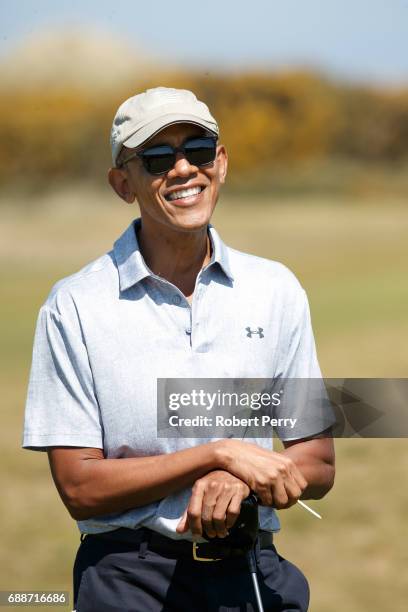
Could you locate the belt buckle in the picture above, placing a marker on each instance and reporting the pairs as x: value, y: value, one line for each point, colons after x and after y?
x: 197, y: 558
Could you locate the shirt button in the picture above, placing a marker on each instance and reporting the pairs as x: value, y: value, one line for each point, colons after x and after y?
x: 188, y: 331
x: 176, y: 300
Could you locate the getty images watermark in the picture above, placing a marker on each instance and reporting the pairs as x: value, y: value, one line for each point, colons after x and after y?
x: 288, y: 408
x: 220, y: 400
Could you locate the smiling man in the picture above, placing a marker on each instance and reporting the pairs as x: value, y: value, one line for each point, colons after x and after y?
x: 170, y: 300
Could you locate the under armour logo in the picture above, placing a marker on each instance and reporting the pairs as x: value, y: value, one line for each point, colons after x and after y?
x: 250, y: 332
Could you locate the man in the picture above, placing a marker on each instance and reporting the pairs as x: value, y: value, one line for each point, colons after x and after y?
x: 170, y: 301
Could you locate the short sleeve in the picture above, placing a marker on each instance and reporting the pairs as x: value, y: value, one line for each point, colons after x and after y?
x: 301, y: 359
x: 305, y: 399
x: 61, y: 407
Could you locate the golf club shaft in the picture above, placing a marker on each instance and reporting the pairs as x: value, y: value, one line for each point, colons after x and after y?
x: 252, y: 568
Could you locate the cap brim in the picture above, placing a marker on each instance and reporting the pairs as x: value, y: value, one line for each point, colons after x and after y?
x: 154, y: 127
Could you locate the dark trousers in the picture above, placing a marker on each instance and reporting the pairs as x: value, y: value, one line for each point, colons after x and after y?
x: 111, y: 576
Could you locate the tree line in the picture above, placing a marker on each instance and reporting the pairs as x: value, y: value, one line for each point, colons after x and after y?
x: 266, y: 119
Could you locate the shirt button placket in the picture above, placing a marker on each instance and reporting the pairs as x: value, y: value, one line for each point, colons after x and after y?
x: 194, y: 315
x: 177, y: 300
x: 189, y: 326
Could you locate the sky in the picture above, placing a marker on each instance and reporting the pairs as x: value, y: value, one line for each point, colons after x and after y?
x: 351, y: 39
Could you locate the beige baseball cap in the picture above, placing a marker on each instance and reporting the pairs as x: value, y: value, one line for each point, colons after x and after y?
x: 144, y: 115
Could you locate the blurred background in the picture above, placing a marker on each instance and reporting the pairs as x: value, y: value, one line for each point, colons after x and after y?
x: 312, y: 102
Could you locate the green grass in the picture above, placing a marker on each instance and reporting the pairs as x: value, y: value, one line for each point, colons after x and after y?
x: 351, y: 258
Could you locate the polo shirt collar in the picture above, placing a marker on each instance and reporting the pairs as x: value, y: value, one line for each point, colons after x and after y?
x: 129, y: 260
x: 219, y: 252
x: 132, y: 267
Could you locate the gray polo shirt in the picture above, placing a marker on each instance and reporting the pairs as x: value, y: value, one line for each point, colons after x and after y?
x: 107, y: 333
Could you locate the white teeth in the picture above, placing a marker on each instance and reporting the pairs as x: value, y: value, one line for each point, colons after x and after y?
x: 184, y: 193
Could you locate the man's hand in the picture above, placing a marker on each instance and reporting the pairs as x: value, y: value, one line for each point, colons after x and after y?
x: 274, y: 477
x: 214, y: 505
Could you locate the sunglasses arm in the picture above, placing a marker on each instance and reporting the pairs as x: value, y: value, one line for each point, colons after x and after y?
x: 127, y: 159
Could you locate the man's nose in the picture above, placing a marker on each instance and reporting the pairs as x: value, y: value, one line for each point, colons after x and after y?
x: 182, y: 167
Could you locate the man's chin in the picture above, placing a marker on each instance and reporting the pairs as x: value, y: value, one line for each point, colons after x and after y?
x: 191, y: 222
x: 190, y: 228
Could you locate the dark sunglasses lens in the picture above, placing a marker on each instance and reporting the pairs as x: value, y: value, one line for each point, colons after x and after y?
x: 200, y: 151
x: 158, y: 160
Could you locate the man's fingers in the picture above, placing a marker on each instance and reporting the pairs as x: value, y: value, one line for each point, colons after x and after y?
x: 207, y: 520
x: 279, y: 495
x: 264, y: 495
x: 182, y: 524
x: 295, y: 484
x: 233, y: 510
x: 289, y: 487
x: 216, y: 499
x: 301, y: 480
x: 194, y: 511
x: 220, y: 514
x: 293, y: 492
x: 210, y: 501
x: 298, y: 476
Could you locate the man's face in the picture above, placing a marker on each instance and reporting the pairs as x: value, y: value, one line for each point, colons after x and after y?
x: 163, y: 199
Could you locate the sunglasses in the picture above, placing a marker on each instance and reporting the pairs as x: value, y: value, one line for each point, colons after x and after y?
x: 199, y: 151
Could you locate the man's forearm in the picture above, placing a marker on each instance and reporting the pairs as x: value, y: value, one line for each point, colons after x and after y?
x: 92, y: 486
x: 315, y: 459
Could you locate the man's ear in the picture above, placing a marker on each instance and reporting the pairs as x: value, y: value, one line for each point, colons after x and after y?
x: 118, y: 180
x: 222, y: 160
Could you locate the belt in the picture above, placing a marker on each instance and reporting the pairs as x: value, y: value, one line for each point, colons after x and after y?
x: 215, y: 550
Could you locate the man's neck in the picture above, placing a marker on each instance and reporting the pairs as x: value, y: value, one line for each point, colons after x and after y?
x: 177, y: 257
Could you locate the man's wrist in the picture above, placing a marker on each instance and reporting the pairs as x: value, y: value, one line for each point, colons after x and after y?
x: 222, y: 455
